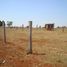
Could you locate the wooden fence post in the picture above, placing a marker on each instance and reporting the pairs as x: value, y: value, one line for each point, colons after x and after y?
x: 4, y: 31
x: 30, y: 37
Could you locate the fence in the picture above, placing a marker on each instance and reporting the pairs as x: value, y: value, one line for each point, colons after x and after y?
x: 3, y: 32
x: 15, y: 35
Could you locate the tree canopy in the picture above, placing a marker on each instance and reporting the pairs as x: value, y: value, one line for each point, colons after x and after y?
x: 1, y: 23
x: 9, y: 23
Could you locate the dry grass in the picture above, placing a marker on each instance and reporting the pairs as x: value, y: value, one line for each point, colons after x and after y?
x: 49, y: 48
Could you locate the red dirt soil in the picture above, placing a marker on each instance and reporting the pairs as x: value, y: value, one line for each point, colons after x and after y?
x: 12, y: 60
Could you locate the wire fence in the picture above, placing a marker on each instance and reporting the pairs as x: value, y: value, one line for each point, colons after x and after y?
x: 1, y: 34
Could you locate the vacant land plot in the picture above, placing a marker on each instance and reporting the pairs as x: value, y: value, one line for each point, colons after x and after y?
x: 49, y: 48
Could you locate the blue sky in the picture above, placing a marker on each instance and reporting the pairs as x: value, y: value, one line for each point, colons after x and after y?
x: 39, y: 11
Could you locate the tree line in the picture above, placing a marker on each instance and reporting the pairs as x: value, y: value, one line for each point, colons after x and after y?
x: 9, y: 23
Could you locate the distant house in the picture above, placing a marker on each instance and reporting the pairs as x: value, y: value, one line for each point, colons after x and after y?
x: 49, y: 26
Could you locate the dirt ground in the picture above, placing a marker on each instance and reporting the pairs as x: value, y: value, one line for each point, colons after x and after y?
x: 49, y: 48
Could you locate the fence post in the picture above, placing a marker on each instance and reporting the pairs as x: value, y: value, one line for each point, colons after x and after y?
x: 62, y: 29
x: 4, y: 31
x: 30, y: 37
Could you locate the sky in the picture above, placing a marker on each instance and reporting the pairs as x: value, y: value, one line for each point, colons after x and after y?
x: 39, y: 12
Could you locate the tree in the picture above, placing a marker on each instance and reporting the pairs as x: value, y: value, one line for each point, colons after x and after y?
x: 1, y: 23
x: 9, y: 23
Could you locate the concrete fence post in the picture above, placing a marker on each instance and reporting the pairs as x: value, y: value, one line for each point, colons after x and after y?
x: 30, y: 37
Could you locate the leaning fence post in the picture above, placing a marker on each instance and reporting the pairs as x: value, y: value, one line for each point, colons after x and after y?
x: 30, y: 37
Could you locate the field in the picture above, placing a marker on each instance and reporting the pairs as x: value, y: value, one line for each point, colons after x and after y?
x: 49, y: 48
